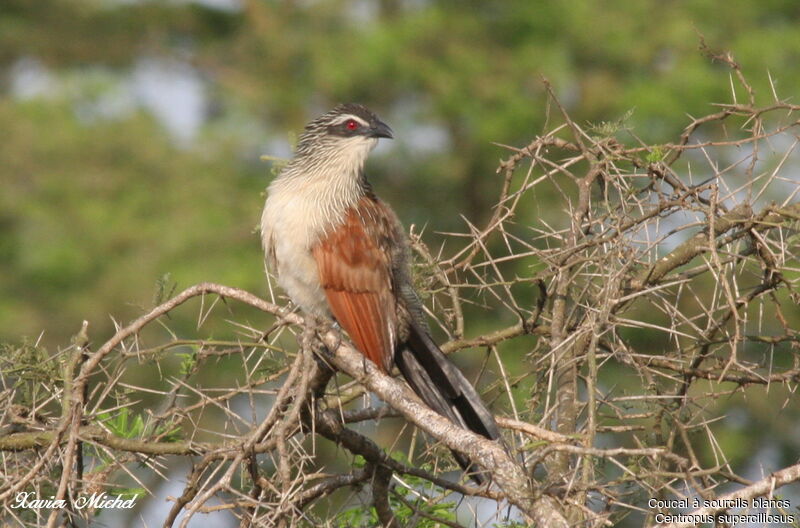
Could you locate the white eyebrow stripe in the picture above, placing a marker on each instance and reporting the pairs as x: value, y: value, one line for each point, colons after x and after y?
x: 348, y: 117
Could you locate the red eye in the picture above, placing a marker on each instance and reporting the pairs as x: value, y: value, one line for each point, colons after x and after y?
x: 351, y: 124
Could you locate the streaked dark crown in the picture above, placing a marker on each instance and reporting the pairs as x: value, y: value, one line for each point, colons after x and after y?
x: 344, y: 121
x: 354, y: 109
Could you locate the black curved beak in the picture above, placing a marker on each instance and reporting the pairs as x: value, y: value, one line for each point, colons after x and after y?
x: 380, y: 129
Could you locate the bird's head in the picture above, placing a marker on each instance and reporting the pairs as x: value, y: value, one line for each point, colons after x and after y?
x: 345, y: 134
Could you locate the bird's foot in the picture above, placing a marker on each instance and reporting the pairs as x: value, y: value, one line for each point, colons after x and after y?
x: 322, y: 329
x: 313, y: 338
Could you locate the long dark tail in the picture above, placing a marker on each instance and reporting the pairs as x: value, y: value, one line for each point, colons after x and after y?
x: 445, y: 389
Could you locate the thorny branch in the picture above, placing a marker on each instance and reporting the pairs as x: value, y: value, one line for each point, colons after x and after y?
x: 661, y: 292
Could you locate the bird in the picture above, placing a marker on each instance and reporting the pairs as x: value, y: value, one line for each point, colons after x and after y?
x: 341, y: 255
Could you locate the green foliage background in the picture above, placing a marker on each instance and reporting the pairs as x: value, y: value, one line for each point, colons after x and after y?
x: 94, y: 210
x: 96, y: 207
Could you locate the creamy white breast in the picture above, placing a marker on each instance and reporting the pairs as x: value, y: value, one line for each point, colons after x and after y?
x: 303, y: 204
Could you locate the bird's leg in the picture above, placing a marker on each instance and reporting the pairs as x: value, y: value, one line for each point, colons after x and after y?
x: 313, y: 335
x: 323, y: 327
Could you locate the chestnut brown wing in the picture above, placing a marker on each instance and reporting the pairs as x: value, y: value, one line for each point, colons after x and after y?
x: 355, y: 272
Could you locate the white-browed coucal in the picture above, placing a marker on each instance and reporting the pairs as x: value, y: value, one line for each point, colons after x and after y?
x: 341, y: 254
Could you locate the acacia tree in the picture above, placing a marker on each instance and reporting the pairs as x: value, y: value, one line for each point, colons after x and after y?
x: 663, y: 285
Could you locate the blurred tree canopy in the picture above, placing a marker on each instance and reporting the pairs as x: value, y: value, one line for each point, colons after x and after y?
x: 132, y: 130
x: 100, y: 199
